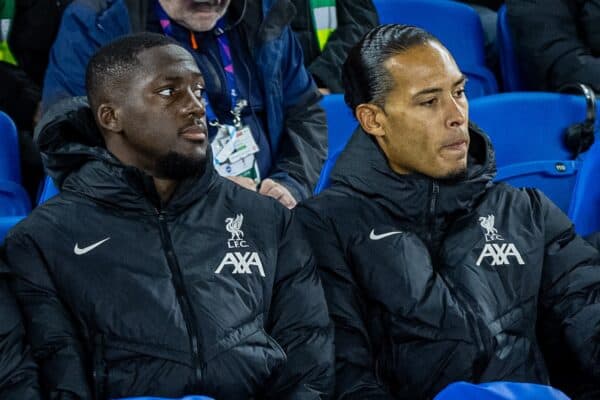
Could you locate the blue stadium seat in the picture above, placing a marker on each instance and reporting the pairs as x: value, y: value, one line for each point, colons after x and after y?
x: 499, y: 391
x: 585, y: 205
x: 13, y: 199
x: 340, y: 125
x: 527, y: 131
x: 512, y: 74
x: 10, y: 168
x: 47, y: 191
x: 457, y: 26
x: 6, y: 223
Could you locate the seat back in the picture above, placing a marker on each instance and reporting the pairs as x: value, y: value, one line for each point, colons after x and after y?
x: 47, y: 191
x: 457, y: 26
x: 10, y: 167
x: 585, y: 204
x: 512, y: 75
x: 13, y: 199
x: 527, y: 130
x: 340, y: 125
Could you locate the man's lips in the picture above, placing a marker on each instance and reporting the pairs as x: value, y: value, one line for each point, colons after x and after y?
x: 194, y: 133
x: 456, y: 145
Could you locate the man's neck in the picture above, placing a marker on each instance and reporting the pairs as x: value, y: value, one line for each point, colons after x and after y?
x: 165, y: 188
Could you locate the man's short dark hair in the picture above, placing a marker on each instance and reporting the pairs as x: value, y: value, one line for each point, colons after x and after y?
x: 365, y: 78
x: 114, y: 63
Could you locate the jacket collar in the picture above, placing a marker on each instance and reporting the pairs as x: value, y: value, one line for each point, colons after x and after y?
x: 75, y: 156
x: 362, y: 168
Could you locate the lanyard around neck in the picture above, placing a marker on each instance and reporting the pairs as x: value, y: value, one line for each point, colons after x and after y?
x: 224, y: 51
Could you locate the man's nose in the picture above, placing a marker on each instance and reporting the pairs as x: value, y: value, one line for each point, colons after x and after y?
x: 193, y: 104
x: 456, y: 113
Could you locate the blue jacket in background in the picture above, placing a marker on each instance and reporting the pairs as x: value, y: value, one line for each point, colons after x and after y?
x: 294, y: 122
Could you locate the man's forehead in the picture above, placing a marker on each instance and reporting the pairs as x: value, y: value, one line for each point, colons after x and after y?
x: 422, y: 66
x: 167, y: 57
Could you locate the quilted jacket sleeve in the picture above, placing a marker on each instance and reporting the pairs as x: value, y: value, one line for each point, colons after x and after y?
x: 354, y: 354
x: 569, y: 325
x: 50, y: 328
x: 299, y: 322
x: 18, y: 372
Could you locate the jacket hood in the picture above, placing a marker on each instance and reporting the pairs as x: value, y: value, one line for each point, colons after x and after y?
x: 76, y: 158
x: 362, y: 167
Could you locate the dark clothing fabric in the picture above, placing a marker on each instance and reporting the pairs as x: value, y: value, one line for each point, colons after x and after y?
x: 19, y: 96
x: 33, y: 31
x: 125, y: 296
x: 18, y: 372
x: 491, y: 4
x: 354, y: 19
x: 557, y: 41
x: 287, y: 115
x: 432, y: 282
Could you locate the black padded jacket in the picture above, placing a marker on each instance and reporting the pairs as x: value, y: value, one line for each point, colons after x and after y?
x: 430, y: 282
x: 213, y: 293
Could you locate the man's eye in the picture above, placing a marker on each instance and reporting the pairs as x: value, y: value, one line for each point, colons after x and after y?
x: 429, y: 103
x: 166, y: 92
x: 459, y: 93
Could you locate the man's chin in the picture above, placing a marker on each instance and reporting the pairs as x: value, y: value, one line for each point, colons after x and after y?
x: 457, y: 174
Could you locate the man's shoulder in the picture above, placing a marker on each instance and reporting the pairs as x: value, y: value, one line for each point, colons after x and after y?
x: 334, y: 203
x: 252, y: 202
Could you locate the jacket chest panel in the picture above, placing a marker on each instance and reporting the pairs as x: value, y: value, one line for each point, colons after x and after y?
x: 495, y: 260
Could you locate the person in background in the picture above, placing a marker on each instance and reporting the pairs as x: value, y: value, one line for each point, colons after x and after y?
x: 433, y: 272
x: 266, y: 127
x: 327, y: 29
x: 557, y: 41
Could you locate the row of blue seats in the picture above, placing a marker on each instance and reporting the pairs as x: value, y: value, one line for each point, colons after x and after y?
x: 527, y: 130
x: 459, y: 28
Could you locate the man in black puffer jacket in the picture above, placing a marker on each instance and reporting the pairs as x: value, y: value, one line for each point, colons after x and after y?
x: 149, y: 274
x: 434, y: 273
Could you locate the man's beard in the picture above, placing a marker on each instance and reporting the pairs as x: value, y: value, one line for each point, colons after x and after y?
x: 178, y: 167
x: 455, y: 176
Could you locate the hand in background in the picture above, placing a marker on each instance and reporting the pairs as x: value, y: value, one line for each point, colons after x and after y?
x: 277, y: 191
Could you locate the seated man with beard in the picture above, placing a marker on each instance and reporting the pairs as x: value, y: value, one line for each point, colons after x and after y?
x: 150, y: 274
x: 434, y: 273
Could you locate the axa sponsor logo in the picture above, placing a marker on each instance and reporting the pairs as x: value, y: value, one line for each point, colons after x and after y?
x: 499, y: 253
x: 240, y: 262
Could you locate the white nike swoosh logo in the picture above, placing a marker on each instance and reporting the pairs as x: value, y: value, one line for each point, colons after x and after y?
x: 374, y: 236
x: 79, y: 251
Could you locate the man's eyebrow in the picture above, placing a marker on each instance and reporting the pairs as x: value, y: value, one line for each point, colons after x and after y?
x: 179, y: 77
x: 463, y: 79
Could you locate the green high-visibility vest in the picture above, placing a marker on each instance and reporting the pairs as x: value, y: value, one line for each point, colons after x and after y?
x: 7, y: 14
x: 324, y: 19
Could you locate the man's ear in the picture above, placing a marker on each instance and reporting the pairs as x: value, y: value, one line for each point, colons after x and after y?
x: 108, y: 117
x: 371, y: 119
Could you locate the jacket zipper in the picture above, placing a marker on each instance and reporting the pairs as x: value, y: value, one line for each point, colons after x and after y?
x: 182, y: 296
x: 435, y: 192
x: 471, y: 316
